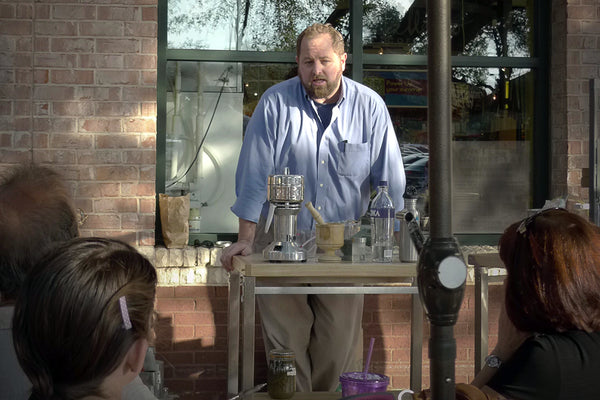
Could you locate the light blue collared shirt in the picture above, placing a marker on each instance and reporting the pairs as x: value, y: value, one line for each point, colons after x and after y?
x: 357, y: 150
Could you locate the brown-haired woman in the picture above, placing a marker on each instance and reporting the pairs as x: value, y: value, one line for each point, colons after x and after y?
x: 83, y: 319
x: 549, y: 328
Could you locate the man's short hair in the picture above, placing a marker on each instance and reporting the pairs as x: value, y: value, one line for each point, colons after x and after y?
x: 318, y: 29
x: 36, y: 212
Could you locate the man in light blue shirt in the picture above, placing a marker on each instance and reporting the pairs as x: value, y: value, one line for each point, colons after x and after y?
x: 339, y: 135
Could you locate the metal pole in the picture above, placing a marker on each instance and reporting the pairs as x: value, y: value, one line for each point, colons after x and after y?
x: 439, y: 117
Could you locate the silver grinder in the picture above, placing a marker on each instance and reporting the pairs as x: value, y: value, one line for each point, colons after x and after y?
x: 285, y: 194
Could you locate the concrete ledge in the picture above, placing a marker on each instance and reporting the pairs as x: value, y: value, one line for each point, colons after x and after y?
x: 201, y: 266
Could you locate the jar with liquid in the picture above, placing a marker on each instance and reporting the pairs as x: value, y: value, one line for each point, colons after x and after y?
x: 281, y: 376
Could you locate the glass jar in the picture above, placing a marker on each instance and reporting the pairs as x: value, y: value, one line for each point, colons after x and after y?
x: 281, y: 377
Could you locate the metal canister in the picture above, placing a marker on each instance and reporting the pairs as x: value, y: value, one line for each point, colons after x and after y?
x: 408, y: 251
x: 285, y: 188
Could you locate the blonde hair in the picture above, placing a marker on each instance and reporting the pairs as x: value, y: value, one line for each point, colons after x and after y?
x: 319, y: 29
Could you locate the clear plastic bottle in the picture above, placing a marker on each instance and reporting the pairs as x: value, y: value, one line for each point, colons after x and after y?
x: 382, y: 225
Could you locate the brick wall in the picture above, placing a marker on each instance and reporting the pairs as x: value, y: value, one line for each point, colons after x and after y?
x: 78, y: 92
x: 575, y: 60
x: 192, y: 339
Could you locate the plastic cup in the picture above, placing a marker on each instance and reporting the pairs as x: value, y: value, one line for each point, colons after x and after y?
x: 359, y: 382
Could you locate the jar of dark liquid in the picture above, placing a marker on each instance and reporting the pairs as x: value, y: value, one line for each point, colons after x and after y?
x: 281, y: 377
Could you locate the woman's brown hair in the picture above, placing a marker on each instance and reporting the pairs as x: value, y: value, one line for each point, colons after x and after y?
x: 553, y: 272
x: 79, y: 312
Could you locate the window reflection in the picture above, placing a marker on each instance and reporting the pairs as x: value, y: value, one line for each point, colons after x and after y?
x: 492, y: 128
x: 478, y: 28
x: 259, y: 25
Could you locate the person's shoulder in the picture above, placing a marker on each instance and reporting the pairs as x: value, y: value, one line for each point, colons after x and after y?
x: 289, y: 87
x: 356, y: 89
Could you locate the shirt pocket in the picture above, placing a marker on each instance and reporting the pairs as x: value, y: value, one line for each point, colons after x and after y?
x: 354, y: 159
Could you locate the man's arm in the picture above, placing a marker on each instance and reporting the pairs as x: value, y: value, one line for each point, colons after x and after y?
x: 243, y: 246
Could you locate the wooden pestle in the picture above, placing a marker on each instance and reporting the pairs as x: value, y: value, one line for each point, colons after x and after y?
x: 314, y: 213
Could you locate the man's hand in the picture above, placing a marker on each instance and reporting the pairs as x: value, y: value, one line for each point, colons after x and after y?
x: 242, y: 247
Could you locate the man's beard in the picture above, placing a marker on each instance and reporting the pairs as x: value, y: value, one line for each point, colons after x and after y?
x: 322, y: 92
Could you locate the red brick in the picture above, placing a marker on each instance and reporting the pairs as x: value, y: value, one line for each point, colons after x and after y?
x: 110, y: 109
x: 120, y: 141
x: 148, y: 173
x: 118, y: 205
x: 73, y: 11
x: 137, y: 189
x: 55, y: 28
x: 194, y: 318
x: 148, y: 206
x: 117, y: 46
x: 139, y: 125
x: 74, y: 141
x: 149, y: 14
x: 139, y: 157
x: 137, y: 221
x: 164, y: 305
x: 53, y: 93
x: 195, y: 291
x: 97, y: 189
x: 14, y: 27
x: 149, y: 46
x: 148, y: 141
x: 72, y: 108
x: 138, y: 93
x: 183, y: 333
x: 42, y: 11
x: 55, y: 60
x: 100, y: 125
x: 141, y: 29
x: 118, y: 13
x: 61, y: 125
x: 72, y: 45
x: 7, y: 11
x: 41, y: 76
x: 97, y: 93
x: 149, y: 78
x: 102, y: 222
x: 117, y: 77
x: 76, y: 77
x: 116, y: 173
x: 101, y: 61
x: 165, y: 292
x: 101, y: 28
x: 41, y: 44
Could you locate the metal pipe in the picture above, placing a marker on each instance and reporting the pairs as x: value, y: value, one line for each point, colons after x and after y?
x: 439, y: 118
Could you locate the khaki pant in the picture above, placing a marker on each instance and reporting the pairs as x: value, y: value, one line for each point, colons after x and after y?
x: 324, y: 331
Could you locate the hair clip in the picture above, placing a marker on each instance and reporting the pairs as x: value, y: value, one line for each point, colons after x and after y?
x: 125, y: 312
x: 522, y: 228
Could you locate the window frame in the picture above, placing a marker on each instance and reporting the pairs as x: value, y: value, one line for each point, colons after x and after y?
x: 539, y: 63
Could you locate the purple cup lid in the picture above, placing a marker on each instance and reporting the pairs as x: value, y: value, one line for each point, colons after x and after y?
x: 362, y: 377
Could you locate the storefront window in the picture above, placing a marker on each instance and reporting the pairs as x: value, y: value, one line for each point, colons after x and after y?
x: 210, y: 94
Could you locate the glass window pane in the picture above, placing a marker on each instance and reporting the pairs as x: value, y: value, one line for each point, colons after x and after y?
x: 261, y: 25
x: 498, y: 28
x: 492, y: 128
x: 208, y: 105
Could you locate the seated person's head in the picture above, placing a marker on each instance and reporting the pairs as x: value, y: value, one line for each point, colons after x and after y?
x: 83, y: 319
x: 36, y: 213
x: 553, y: 273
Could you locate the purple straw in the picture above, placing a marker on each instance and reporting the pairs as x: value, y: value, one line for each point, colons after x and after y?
x: 368, y: 358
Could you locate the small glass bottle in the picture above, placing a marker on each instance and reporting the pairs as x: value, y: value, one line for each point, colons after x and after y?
x: 281, y: 376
